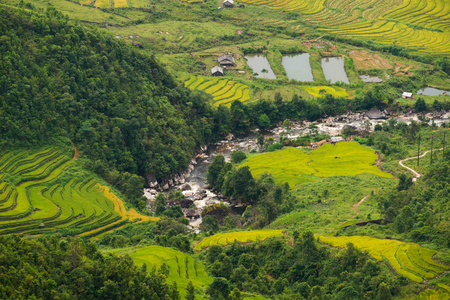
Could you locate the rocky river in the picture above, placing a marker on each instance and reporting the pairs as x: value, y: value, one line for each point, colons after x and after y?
x: 192, y: 182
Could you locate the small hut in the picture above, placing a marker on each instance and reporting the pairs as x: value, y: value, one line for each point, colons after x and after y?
x: 407, y: 95
x: 217, y: 71
x: 226, y: 60
x: 228, y: 3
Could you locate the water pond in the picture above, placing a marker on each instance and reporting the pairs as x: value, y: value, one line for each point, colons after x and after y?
x: 429, y: 91
x: 333, y: 69
x: 261, y: 66
x: 368, y: 79
x: 297, y: 67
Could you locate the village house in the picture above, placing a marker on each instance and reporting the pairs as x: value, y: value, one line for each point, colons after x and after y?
x: 217, y: 71
x: 407, y: 95
x: 226, y: 60
x: 228, y: 3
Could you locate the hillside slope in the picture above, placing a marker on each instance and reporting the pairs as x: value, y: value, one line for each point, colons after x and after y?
x: 120, y: 107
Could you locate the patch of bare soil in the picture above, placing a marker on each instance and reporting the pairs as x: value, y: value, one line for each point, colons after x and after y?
x: 365, y: 60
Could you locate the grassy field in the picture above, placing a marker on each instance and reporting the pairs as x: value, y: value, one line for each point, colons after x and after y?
x: 321, y: 91
x: 223, y: 91
x: 407, y: 259
x: 39, y: 194
x: 240, y: 236
x: 294, y: 166
x: 327, y: 205
x: 182, y: 267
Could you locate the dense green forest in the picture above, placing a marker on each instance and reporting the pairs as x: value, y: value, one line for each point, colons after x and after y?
x: 119, y: 107
x: 66, y: 268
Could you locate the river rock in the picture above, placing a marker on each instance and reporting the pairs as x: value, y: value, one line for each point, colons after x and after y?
x: 186, y: 187
x: 170, y: 182
x: 165, y: 186
x: 186, y: 203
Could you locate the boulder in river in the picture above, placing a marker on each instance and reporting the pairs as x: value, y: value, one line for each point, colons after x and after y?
x: 186, y: 187
x: 374, y: 113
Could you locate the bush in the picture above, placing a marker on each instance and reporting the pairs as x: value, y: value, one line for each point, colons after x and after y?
x: 237, y: 156
x: 274, y: 147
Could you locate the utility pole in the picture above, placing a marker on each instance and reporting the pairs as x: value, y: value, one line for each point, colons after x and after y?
x: 431, y: 158
x: 418, y: 152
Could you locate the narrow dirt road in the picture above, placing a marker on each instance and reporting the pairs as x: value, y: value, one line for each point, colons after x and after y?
x: 416, y: 174
x: 357, y: 204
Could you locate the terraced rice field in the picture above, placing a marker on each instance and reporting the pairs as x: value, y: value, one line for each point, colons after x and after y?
x: 120, y: 3
x: 34, y: 199
x: 441, y: 293
x: 321, y: 91
x: 423, y: 25
x: 182, y: 267
x: 102, y: 3
x: 241, y: 236
x: 407, y: 259
x: 294, y: 166
x: 223, y: 91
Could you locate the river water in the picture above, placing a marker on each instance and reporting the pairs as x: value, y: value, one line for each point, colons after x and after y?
x: 197, y: 179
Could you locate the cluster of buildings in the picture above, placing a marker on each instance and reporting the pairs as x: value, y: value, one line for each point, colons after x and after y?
x: 225, y: 60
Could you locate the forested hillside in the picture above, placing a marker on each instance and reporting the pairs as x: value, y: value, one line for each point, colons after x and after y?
x: 117, y: 105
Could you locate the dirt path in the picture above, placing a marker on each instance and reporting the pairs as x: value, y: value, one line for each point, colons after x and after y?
x: 357, y: 204
x: 416, y: 174
x: 75, y: 155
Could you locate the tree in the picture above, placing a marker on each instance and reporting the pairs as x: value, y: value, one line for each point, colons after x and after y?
x: 383, y: 292
x: 237, y: 156
x: 214, y: 170
x: 420, y: 105
x: 190, y: 291
x: 263, y: 121
x: 287, y: 127
x: 219, y: 288
x: 236, y: 295
x: 260, y: 142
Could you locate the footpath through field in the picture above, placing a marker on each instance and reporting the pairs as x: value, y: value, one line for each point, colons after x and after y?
x: 416, y: 174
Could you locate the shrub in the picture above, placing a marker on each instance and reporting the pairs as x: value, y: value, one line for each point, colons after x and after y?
x: 237, y: 156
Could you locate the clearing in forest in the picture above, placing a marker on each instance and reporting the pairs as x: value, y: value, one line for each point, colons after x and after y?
x: 240, y: 236
x: 295, y: 166
x: 407, y: 259
x: 38, y: 195
x: 223, y: 91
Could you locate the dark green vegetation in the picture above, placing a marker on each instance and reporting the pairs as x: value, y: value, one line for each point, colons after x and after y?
x: 301, y: 269
x: 58, y: 268
x: 120, y: 108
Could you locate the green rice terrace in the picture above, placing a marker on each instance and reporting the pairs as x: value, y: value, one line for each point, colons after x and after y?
x: 36, y: 197
x: 223, y: 91
x: 182, y: 267
x: 295, y: 166
x: 419, y: 24
x: 407, y: 259
x: 241, y: 236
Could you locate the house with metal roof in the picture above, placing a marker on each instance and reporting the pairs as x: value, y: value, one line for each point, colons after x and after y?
x: 217, y: 71
x: 226, y: 60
